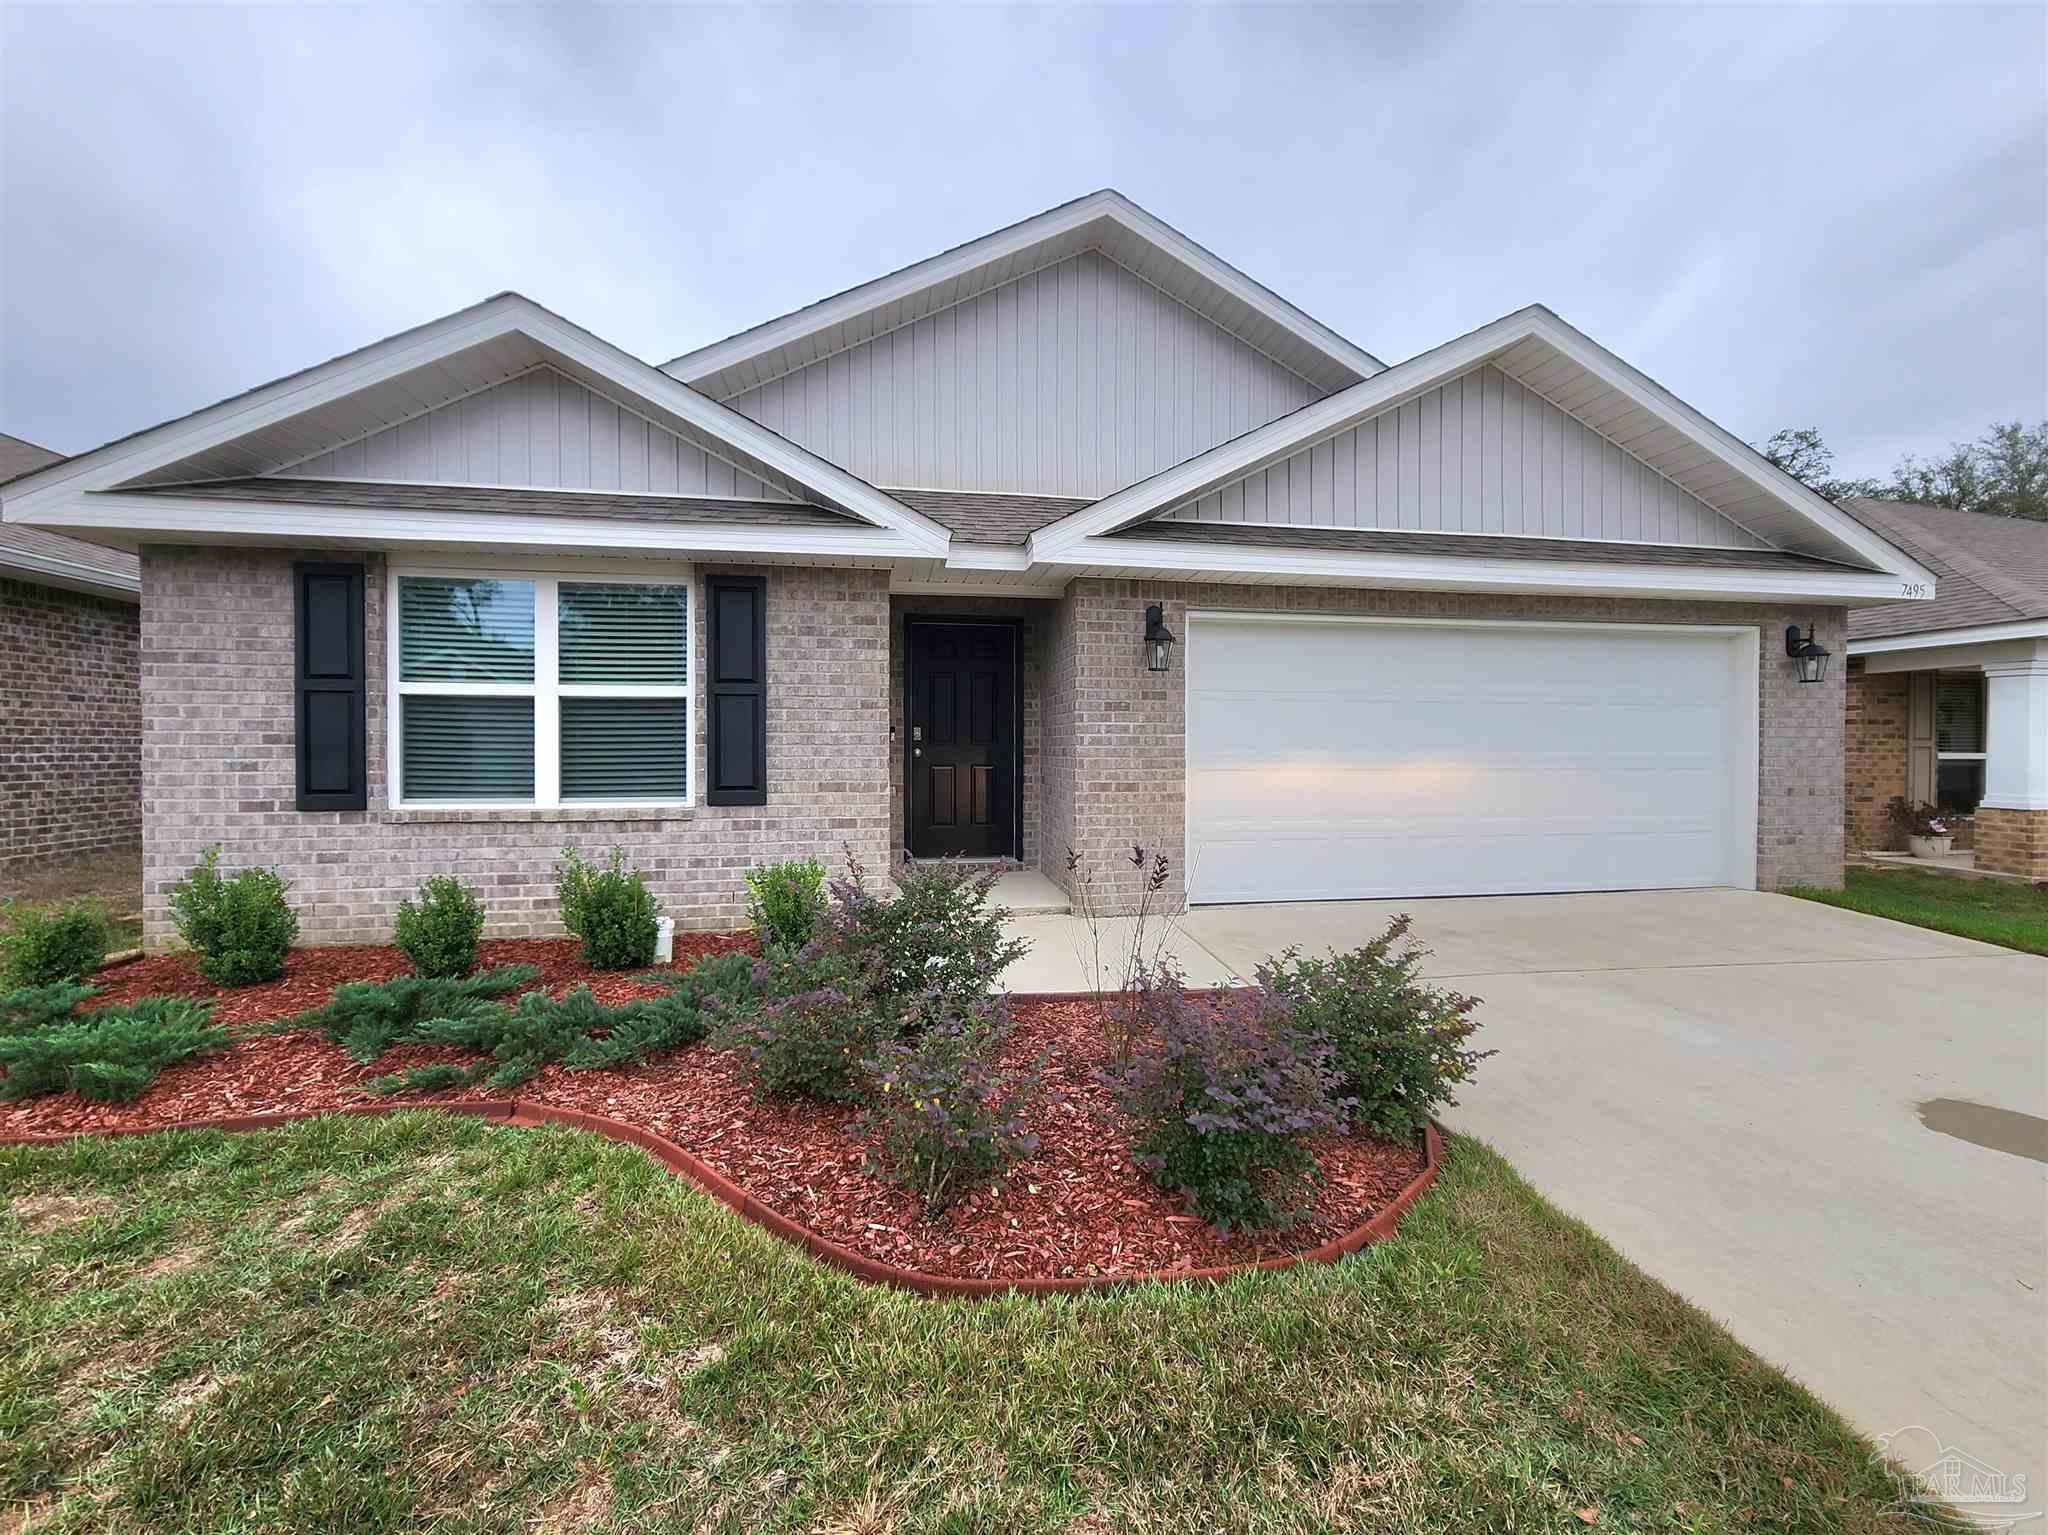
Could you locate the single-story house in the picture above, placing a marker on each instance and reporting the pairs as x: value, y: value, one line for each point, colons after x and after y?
x: 1948, y: 700
x: 1072, y: 536
x: 70, y: 695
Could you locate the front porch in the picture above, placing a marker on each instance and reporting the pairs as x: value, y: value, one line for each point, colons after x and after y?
x: 1962, y: 727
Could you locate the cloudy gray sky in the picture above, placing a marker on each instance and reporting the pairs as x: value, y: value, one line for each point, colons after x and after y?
x: 1815, y: 215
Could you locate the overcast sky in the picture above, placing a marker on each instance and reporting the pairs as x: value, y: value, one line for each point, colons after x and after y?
x: 1827, y: 216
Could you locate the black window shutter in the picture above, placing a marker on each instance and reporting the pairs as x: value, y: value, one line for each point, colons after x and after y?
x: 332, y: 687
x: 736, y: 691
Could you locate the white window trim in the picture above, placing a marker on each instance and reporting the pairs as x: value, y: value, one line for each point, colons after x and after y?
x: 547, y: 695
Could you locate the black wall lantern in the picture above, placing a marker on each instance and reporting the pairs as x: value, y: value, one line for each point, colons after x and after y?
x: 1812, y: 658
x: 1158, y: 640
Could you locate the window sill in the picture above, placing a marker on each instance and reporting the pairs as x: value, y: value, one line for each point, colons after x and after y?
x: 502, y: 814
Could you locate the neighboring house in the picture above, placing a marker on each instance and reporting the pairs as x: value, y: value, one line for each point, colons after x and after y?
x: 70, y: 700
x: 1948, y: 700
x: 882, y: 574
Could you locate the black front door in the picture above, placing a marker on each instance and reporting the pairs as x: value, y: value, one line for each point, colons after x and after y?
x: 963, y: 739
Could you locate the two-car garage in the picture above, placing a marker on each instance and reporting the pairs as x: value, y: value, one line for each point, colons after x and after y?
x: 1345, y: 758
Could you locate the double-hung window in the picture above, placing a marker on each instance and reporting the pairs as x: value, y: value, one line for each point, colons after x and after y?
x: 540, y: 690
x: 1959, y: 742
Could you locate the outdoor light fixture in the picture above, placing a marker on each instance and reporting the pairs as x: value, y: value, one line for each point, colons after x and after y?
x: 1812, y: 658
x: 1158, y: 639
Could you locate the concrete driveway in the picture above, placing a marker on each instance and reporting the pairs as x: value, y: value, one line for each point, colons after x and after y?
x: 1725, y: 1084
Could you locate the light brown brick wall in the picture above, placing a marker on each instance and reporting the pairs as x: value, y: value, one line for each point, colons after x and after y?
x: 217, y: 761
x: 1119, y: 775
x: 70, y: 726
x: 1034, y: 619
x: 1874, y: 756
x: 2013, y: 841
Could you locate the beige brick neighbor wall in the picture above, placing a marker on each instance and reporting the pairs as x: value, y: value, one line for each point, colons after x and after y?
x: 1874, y: 753
x: 2013, y: 841
x: 1116, y: 770
x: 218, y: 754
x: 70, y: 726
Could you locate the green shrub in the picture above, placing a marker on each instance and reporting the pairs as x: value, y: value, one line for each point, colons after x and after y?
x: 29, y: 1008
x: 943, y: 1115
x: 242, y: 926
x: 810, y: 1027
x: 579, y: 1032
x: 933, y: 950
x: 366, y: 1018
x: 1225, y: 1091
x: 686, y: 1015
x: 1398, y: 1045
x: 610, y: 909
x: 111, y: 1055
x: 439, y: 934
x: 785, y: 900
x: 46, y: 944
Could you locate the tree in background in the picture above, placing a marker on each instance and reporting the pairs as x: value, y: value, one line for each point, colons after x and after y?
x: 2004, y: 473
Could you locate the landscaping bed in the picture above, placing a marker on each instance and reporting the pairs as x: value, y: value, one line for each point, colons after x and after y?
x: 1078, y: 1207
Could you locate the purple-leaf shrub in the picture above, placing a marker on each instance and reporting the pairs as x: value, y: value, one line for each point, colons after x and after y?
x: 1226, y: 1093
x: 943, y: 1115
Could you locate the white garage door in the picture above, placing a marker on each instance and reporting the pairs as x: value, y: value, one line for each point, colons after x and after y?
x: 1333, y: 759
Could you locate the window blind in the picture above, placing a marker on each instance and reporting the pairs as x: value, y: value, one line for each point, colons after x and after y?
x: 625, y: 748
x: 1958, y: 714
x: 462, y: 747
x: 465, y: 630
x: 614, y: 633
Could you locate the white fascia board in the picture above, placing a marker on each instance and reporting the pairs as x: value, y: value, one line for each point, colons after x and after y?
x: 156, y: 517
x: 950, y: 266
x: 1850, y: 588
x: 1935, y: 639
x: 72, y: 575
x: 1267, y: 445
x: 29, y: 498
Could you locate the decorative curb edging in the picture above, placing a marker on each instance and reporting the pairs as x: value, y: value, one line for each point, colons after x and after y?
x: 710, y: 1181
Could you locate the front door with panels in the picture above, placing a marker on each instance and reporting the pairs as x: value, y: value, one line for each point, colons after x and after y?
x: 962, y: 752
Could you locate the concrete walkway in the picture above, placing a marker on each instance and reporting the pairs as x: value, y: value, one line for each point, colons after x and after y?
x: 1725, y: 1084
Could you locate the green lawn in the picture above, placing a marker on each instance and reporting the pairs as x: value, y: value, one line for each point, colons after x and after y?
x: 1992, y: 910
x: 421, y: 1322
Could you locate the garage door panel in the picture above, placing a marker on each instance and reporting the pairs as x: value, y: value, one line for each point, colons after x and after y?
x: 1389, y: 759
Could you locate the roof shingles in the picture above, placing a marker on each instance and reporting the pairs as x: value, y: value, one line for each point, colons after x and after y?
x: 32, y: 552
x: 1988, y: 570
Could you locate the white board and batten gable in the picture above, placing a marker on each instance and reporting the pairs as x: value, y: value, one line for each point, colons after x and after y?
x: 541, y: 431
x: 1477, y: 454
x: 1076, y: 379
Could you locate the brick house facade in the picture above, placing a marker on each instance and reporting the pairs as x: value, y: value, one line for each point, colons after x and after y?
x: 1118, y: 754
x: 218, y: 765
x: 70, y: 726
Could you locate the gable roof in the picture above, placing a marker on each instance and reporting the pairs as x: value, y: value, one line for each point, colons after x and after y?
x: 51, y: 558
x: 990, y: 517
x: 1105, y: 221
x: 281, y: 423
x: 1990, y: 570
x: 1552, y: 359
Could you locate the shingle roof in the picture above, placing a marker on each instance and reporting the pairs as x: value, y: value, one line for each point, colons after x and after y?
x: 987, y: 517
x: 370, y: 496
x: 38, y: 555
x: 1469, y: 546
x: 1988, y: 570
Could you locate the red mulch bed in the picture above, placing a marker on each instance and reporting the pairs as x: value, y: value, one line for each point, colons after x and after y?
x: 1078, y: 1207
